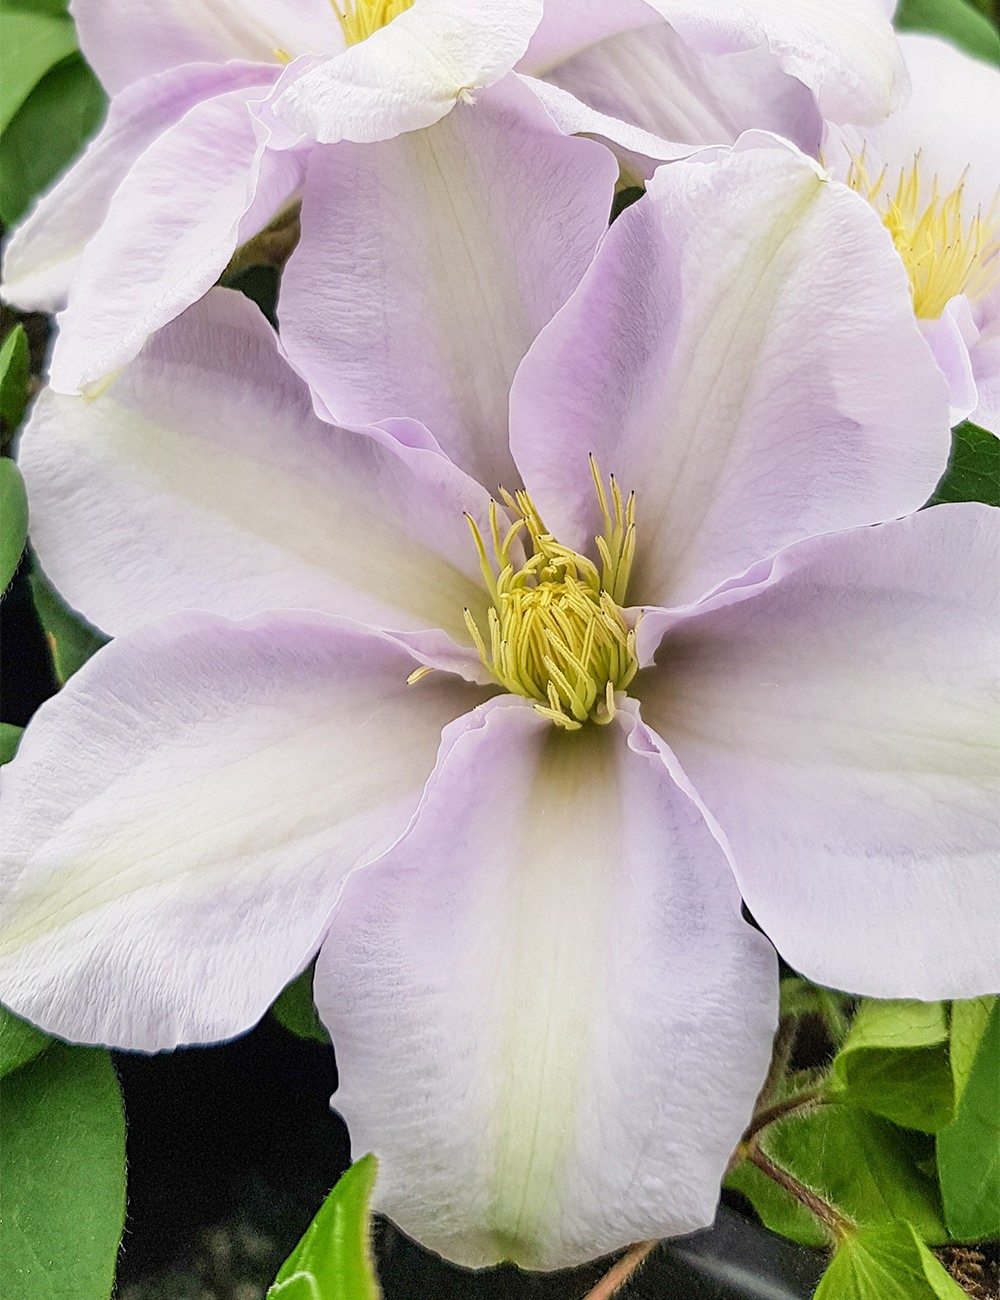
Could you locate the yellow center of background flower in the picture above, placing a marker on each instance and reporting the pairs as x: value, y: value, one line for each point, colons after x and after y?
x: 556, y: 631
x: 942, y: 255
x: 360, y: 18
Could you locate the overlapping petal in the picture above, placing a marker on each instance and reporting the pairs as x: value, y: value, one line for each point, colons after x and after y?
x: 128, y: 39
x: 531, y: 998
x: 843, y: 727
x: 846, y: 54
x: 202, y: 479
x: 410, y: 73
x: 172, y: 226
x: 442, y: 253
x: 652, y: 78
x: 44, y: 251
x: 743, y: 354
x: 165, y: 884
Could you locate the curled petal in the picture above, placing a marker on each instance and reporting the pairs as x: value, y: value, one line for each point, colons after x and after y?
x: 410, y: 73
x: 171, y: 227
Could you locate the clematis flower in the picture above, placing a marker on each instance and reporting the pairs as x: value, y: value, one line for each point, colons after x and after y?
x: 932, y: 172
x: 210, y: 137
x: 512, y: 764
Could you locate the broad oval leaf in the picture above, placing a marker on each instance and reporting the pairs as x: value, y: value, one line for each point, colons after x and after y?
x: 13, y: 520
x: 887, y: 1263
x: 62, y: 1166
x: 955, y: 20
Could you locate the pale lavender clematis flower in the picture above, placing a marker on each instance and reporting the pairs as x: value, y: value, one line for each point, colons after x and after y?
x: 208, y: 139
x: 702, y: 73
x: 933, y: 172
x: 550, y: 1018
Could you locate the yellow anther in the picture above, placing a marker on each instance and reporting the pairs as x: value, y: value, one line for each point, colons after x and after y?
x: 418, y: 674
x: 557, y: 634
x: 943, y: 255
x: 359, y: 19
x: 282, y: 55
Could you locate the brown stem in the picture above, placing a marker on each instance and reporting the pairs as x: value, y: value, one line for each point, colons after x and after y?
x: 616, y: 1276
x: 781, y: 1055
x: 789, y: 1106
x: 828, y: 1215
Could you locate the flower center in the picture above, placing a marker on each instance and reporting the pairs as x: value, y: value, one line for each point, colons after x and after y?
x: 556, y: 631
x: 943, y: 256
x: 360, y: 18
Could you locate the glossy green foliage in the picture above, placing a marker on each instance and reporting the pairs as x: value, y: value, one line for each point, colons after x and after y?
x: 956, y: 20
x: 296, y: 1010
x: 968, y: 1150
x: 19, y: 1042
x: 968, y: 1024
x: 14, y: 376
x: 973, y: 472
x: 333, y: 1261
x: 30, y: 44
x: 10, y: 738
x: 869, y: 1169
x: 896, y: 1063
x: 13, y: 519
x: 73, y: 640
x: 62, y: 1168
x: 886, y: 1263
x: 47, y: 132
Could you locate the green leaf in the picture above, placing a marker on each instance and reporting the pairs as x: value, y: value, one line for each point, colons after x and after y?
x: 19, y: 1042
x: 968, y: 1150
x: 296, y: 1010
x: 968, y: 1024
x: 889, y: 1263
x: 62, y: 1167
x: 72, y: 638
x: 15, y: 375
x: 13, y: 519
x: 10, y: 738
x: 333, y: 1259
x: 30, y: 44
x: 47, y: 132
x: 973, y: 472
x: 956, y: 20
x: 858, y: 1162
x: 896, y: 1062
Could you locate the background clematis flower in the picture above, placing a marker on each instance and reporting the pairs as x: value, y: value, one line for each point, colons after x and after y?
x: 932, y: 172
x: 524, y: 867
x: 701, y: 74
x: 209, y: 137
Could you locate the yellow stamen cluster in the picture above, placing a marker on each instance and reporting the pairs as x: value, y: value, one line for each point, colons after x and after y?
x: 360, y: 18
x: 556, y: 631
x: 943, y: 256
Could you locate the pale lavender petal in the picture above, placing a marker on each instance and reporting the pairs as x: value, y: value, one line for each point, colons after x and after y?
x: 44, y: 251
x: 128, y: 39
x: 410, y: 73
x: 950, y: 338
x: 202, y: 479
x: 171, y: 227
x: 180, y: 819
x: 743, y: 354
x: 569, y: 26
x: 652, y: 79
x: 846, y: 53
x: 551, y: 1020
x: 842, y: 728
x: 443, y: 253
